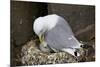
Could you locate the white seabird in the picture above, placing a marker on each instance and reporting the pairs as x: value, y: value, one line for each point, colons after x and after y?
x: 55, y: 32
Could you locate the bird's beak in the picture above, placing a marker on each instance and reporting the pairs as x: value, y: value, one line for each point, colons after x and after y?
x: 41, y: 38
x: 43, y: 43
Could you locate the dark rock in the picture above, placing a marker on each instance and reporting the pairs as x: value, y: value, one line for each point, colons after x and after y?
x: 23, y: 15
x: 80, y: 18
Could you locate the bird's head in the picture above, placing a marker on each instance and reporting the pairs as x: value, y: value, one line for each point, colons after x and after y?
x: 44, y: 24
x: 40, y: 28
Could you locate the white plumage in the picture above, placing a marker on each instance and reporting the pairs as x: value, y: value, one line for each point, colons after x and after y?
x: 56, y: 33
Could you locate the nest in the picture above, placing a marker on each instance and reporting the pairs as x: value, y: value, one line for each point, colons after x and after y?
x: 29, y: 54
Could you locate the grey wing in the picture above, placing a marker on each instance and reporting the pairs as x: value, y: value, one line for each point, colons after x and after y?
x: 61, y: 37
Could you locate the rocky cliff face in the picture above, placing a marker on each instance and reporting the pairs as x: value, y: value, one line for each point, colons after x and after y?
x: 81, y: 18
x: 23, y: 15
